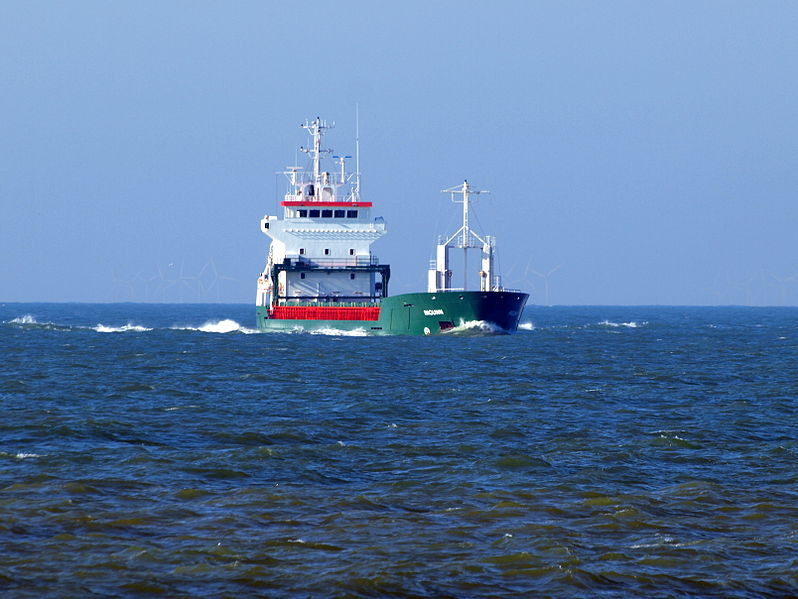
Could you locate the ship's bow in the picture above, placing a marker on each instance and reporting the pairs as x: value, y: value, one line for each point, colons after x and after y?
x: 442, y: 312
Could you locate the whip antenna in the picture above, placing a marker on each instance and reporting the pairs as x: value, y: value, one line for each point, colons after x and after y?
x: 357, y: 151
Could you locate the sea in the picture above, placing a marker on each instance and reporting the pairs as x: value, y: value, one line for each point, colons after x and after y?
x: 173, y: 451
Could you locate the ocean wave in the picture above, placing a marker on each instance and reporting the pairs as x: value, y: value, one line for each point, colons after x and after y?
x: 101, y: 328
x: 226, y: 325
x: 630, y: 325
x: 338, y: 332
x: 478, y: 327
x: 24, y: 319
x: 29, y: 321
x: 20, y: 456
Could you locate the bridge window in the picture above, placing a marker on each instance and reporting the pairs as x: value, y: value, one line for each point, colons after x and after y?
x: 301, y: 250
x: 339, y: 213
x: 314, y: 214
x: 351, y: 252
x: 326, y: 251
x: 303, y: 213
x: 326, y: 213
x: 351, y: 214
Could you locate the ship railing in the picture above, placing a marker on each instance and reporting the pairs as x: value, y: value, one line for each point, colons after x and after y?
x: 302, y: 177
x: 338, y: 262
x: 330, y: 302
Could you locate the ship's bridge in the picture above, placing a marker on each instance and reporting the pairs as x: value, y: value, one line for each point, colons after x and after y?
x: 326, y: 210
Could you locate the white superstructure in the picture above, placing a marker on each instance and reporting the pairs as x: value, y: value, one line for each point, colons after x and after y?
x: 320, y: 252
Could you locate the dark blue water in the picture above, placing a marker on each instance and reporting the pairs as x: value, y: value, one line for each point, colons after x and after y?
x: 598, y: 452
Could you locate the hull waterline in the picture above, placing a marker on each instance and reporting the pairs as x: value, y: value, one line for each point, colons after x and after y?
x: 423, y: 313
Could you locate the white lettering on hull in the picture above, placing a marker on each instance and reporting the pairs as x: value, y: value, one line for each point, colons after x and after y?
x: 437, y: 312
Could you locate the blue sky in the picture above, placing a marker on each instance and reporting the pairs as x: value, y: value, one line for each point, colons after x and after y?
x: 646, y: 149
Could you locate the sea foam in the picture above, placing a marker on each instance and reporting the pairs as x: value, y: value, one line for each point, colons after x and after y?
x: 226, y: 325
x: 25, y: 319
x: 339, y: 332
x: 630, y: 325
x: 476, y: 326
x: 21, y: 456
x: 101, y: 328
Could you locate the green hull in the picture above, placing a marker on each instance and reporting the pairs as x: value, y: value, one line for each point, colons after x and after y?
x: 422, y: 314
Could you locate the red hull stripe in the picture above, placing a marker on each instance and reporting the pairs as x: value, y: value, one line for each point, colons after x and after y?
x: 324, y: 313
x: 327, y: 204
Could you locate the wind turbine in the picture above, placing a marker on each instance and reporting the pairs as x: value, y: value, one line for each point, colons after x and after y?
x: 159, y: 284
x: 742, y: 289
x: 138, y: 281
x: 508, y: 275
x: 207, y: 277
x: 169, y: 283
x: 122, y: 283
x: 545, y: 278
x: 222, y: 277
x: 185, y: 282
x: 783, y: 284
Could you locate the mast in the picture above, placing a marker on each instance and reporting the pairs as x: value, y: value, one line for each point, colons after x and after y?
x: 464, y: 238
x: 315, y: 128
x: 465, y: 232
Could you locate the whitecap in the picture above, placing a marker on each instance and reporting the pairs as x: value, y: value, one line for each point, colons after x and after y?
x: 226, y: 325
x: 101, y: 328
x: 672, y: 436
x: 645, y: 545
x: 339, y: 332
x: 24, y: 319
x: 630, y: 325
x: 28, y: 320
x: 22, y: 456
x: 477, y: 326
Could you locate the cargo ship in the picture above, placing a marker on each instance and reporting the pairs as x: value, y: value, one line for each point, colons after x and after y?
x: 321, y: 274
